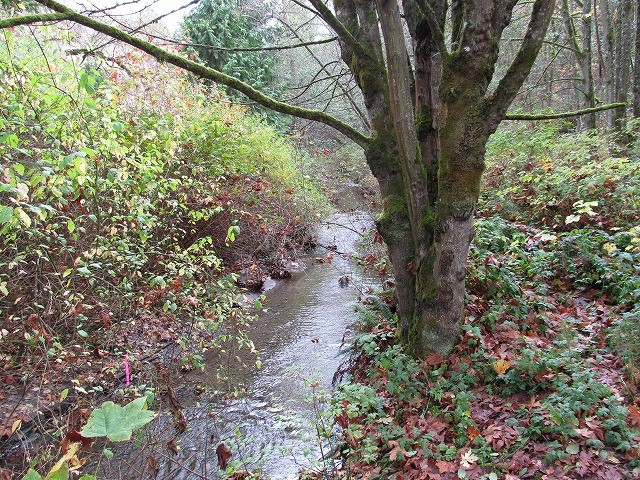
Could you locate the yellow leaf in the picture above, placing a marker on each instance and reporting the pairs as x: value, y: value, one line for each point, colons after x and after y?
x: 501, y: 366
x: 71, y: 453
x: 24, y: 218
x: 16, y: 426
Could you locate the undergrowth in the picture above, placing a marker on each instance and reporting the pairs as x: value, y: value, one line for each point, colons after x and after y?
x: 534, y: 388
x: 126, y: 211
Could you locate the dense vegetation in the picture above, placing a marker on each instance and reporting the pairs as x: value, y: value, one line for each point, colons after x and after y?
x: 131, y: 216
x: 127, y: 215
x: 535, y: 387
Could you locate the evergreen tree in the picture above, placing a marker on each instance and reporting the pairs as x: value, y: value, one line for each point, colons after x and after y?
x: 220, y: 32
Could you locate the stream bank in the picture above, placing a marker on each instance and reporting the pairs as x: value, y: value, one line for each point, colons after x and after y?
x: 271, y: 427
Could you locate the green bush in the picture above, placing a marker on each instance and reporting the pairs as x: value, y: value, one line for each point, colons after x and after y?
x: 625, y: 337
x: 564, y: 180
x: 117, y: 199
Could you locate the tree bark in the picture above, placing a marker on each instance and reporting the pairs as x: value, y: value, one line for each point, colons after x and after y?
x: 609, y: 54
x: 466, y: 118
x: 636, y: 66
x: 589, y: 120
x: 583, y: 59
x: 623, y: 60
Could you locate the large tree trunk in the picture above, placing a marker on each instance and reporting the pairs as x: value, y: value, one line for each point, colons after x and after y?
x: 463, y: 134
x: 583, y: 58
x: 431, y: 120
x: 430, y: 286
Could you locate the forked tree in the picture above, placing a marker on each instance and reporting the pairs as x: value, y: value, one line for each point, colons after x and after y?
x: 432, y: 102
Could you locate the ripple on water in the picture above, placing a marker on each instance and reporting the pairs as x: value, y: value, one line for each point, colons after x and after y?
x: 299, y: 340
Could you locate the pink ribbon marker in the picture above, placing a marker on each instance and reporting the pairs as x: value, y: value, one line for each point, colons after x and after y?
x: 127, y: 372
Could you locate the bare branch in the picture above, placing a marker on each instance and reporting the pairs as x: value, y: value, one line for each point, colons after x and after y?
x: 306, y: 7
x: 342, y: 31
x: 247, y: 49
x: 553, y: 116
x: 521, y: 66
x: 352, y: 101
x: 97, y: 53
x: 160, y: 17
x: 546, y: 42
x: 113, y: 7
x: 209, y: 73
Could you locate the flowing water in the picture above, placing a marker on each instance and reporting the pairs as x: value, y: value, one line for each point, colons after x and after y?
x: 299, y: 339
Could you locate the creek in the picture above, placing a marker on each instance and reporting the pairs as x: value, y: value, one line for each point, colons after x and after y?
x: 299, y: 339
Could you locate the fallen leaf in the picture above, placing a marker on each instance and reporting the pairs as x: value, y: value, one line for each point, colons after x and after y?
x: 74, y: 436
x: 473, y: 432
x: 173, y: 446
x: 152, y: 465
x: 501, y: 366
x: 61, y: 467
x: 224, y: 454
x: 446, y: 467
x: 634, y: 415
x: 573, y: 449
x: 16, y: 426
x: 433, y: 359
x: 468, y: 459
x: 351, y: 440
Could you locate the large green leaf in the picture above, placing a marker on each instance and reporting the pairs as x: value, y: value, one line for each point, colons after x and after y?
x: 32, y: 475
x: 118, y: 423
x: 6, y: 213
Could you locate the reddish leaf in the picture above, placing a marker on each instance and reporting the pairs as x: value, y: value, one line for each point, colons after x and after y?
x: 351, y: 440
x: 473, y: 432
x: 152, y: 465
x: 173, y: 446
x: 224, y: 454
x: 634, y: 415
x: 73, y: 436
x: 446, y: 467
x: 434, y: 359
x: 342, y: 420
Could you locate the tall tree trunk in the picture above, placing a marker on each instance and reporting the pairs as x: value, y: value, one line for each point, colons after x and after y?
x: 582, y: 54
x: 589, y: 121
x: 636, y: 67
x: 463, y: 134
x: 431, y: 126
x: 607, y: 58
x: 624, y: 39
